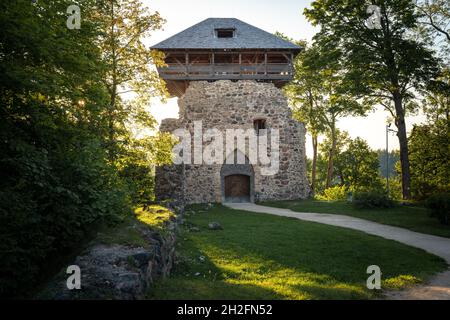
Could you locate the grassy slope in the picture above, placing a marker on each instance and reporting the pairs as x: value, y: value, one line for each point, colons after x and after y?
x: 129, y: 232
x: 259, y: 256
x: 413, y: 218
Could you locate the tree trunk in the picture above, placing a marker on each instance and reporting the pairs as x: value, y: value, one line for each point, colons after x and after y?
x: 113, y: 91
x: 403, y: 141
x: 111, y: 129
x: 314, y: 165
x: 331, y: 155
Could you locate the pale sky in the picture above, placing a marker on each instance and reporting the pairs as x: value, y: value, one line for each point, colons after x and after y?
x: 282, y: 15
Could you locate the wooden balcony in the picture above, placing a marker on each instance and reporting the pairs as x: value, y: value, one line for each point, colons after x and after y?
x: 186, y: 66
x: 227, y: 71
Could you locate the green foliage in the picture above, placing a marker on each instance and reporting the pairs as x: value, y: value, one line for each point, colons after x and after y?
x: 57, y: 180
x: 435, y: 22
x: 136, y: 165
x: 125, y: 24
x: 155, y: 217
x: 341, y: 140
x: 429, y: 144
x: 334, y: 193
x: 381, y: 66
x: 320, y: 98
x: 55, y: 184
x: 394, y: 59
x: 355, y: 168
x: 322, y: 162
x: 395, y: 188
x: 371, y: 200
x: 306, y: 94
x: 439, y: 205
x: 430, y: 163
x: 358, y: 167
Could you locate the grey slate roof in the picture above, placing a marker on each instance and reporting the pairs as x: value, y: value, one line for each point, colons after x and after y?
x: 202, y: 36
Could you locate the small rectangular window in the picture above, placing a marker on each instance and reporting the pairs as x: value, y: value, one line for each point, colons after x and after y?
x: 225, y: 33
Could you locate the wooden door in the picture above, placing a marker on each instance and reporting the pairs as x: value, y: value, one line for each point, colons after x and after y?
x: 237, y: 186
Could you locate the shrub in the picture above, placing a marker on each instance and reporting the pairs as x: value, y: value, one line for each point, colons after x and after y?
x: 439, y: 206
x: 334, y: 193
x: 49, y: 202
x: 369, y: 200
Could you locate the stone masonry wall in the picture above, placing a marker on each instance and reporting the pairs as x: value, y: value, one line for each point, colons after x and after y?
x: 232, y: 105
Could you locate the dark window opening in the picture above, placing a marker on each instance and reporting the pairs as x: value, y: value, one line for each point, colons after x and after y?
x: 225, y: 33
x: 259, y: 124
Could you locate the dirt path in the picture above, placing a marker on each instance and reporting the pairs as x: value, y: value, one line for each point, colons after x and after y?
x: 437, y: 288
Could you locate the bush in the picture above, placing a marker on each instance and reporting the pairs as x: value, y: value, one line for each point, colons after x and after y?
x: 370, y: 200
x: 50, y: 199
x: 439, y: 206
x: 334, y: 193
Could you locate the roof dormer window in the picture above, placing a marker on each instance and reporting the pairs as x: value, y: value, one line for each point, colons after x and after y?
x: 225, y: 33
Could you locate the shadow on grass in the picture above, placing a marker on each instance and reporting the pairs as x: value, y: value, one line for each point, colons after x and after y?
x: 258, y: 256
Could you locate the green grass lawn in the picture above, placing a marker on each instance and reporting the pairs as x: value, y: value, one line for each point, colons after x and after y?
x: 259, y: 256
x: 412, y: 218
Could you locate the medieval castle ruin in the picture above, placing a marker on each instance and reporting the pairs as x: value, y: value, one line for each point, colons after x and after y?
x: 228, y: 77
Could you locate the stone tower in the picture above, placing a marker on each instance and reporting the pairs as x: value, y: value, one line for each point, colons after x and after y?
x: 227, y: 75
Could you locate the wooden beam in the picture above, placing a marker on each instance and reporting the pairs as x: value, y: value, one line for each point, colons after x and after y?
x: 240, y: 63
x: 265, y: 62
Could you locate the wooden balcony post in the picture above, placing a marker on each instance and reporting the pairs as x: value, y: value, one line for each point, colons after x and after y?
x: 213, y: 65
x: 240, y: 64
x: 265, y: 63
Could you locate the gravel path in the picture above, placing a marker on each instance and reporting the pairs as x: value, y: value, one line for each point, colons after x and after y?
x: 437, y: 288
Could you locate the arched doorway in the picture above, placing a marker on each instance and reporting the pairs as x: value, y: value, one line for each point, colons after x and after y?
x: 238, y: 181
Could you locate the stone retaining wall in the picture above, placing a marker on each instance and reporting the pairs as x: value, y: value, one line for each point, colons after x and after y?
x: 119, y: 271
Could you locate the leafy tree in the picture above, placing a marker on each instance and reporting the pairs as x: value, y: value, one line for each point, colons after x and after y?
x: 138, y: 164
x: 429, y: 147
x: 429, y: 143
x: 320, y: 99
x: 62, y: 121
x: 125, y: 23
x: 394, y: 157
x: 358, y: 167
x: 55, y: 184
x: 380, y: 66
x: 436, y: 99
x: 435, y: 16
x: 131, y: 82
x: 341, y: 141
x: 339, y: 105
x: 305, y: 94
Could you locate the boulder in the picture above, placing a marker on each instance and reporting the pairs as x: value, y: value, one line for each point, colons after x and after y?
x: 214, y: 226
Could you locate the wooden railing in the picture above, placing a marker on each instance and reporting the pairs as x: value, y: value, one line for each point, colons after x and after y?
x: 278, y: 71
